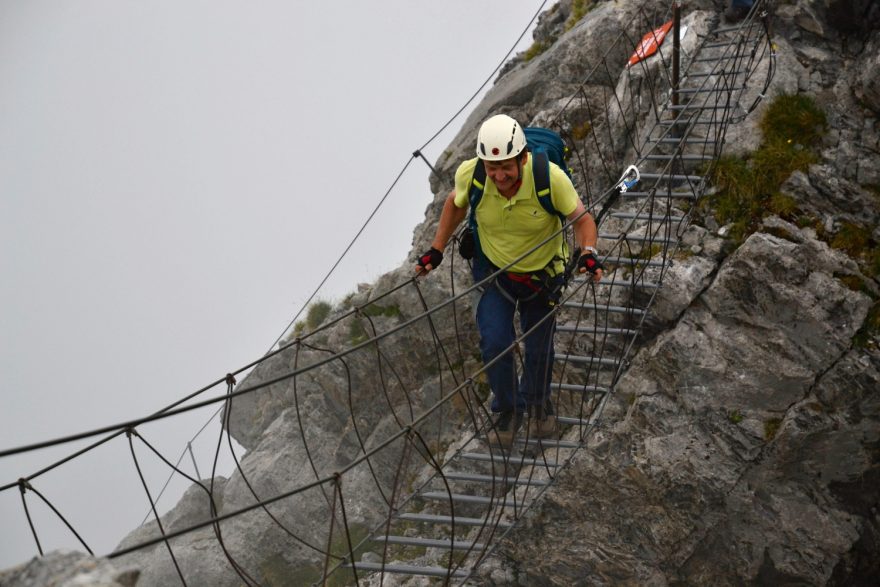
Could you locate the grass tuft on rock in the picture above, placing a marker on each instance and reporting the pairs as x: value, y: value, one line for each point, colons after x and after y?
x: 579, y: 9
x: 794, y: 120
x: 771, y: 427
x: 857, y: 241
x: 317, y: 313
x: 869, y: 334
x: 748, y: 188
x: 536, y: 49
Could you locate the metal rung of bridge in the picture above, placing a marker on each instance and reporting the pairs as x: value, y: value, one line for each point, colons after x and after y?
x: 493, y: 479
x: 657, y: 194
x: 672, y: 177
x: 630, y: 261
x: 679, y: 158
x: 678, y: 107
x: 641, y: 238
x: 648, y: 217
x: 579, y: 281
x: 578, y: 388
x: 407, y: 570
x: 719, y: 73
x: 451, y: 520
x: 472, y: 499
x: 562, y: 357
x: 686, y: 122
x: 547, y: 442
x: 594, y: 307
x: 572, y: 421
x: 675, y: 141
x: 596, y: 330
x: 429, y: 542
x: 512, y: 460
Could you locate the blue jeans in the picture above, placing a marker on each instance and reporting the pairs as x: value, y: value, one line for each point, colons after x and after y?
x: 495, y: 315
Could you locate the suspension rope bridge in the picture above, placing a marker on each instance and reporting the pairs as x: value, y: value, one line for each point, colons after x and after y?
x: 439, y: 495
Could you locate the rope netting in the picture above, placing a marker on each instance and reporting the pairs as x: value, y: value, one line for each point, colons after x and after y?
x: 384, y: 406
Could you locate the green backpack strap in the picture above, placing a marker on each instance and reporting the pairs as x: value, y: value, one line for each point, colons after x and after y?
x: 541, y: 171
x: 478, y: 185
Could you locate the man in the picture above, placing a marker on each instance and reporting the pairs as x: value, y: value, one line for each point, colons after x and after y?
x: 511, y: 222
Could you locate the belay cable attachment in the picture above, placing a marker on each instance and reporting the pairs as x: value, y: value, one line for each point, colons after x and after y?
x: 631, y: 176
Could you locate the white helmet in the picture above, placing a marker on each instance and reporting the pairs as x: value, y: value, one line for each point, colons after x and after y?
x: 500, y: 138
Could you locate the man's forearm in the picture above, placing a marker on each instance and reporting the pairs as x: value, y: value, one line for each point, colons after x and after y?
x: 585, y: 231
x: 450, y: 218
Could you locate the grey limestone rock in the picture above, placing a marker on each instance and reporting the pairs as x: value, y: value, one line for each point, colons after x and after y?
x: 726, y: 465
x: 62, y: 568
x: 867, y: 86
x: 823, y: 194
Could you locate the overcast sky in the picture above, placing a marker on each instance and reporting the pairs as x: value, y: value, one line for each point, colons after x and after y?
x: 176, y: 177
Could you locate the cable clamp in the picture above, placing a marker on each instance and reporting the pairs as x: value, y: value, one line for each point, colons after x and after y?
x: 230, y: 379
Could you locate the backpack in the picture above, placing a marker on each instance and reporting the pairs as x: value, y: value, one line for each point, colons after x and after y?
x: 545, y: 146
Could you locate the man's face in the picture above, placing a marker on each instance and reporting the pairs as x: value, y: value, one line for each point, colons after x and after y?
x: 504, y: 174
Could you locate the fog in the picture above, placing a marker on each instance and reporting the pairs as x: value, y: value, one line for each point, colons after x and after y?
x: 176, y: 178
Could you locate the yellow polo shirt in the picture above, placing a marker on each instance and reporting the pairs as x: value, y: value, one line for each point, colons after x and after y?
x: 509, y: 228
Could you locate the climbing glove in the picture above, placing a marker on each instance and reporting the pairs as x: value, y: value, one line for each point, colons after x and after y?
x: 467, y: 244
x: 433, y: 258
x: 590, y: 262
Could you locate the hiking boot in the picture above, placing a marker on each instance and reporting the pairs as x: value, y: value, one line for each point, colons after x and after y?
x: 504, y: 429
x: 542, y: 421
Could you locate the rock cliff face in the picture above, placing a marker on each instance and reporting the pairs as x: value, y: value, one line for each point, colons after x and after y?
x: 743, y: 445
x: 68, y: 569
